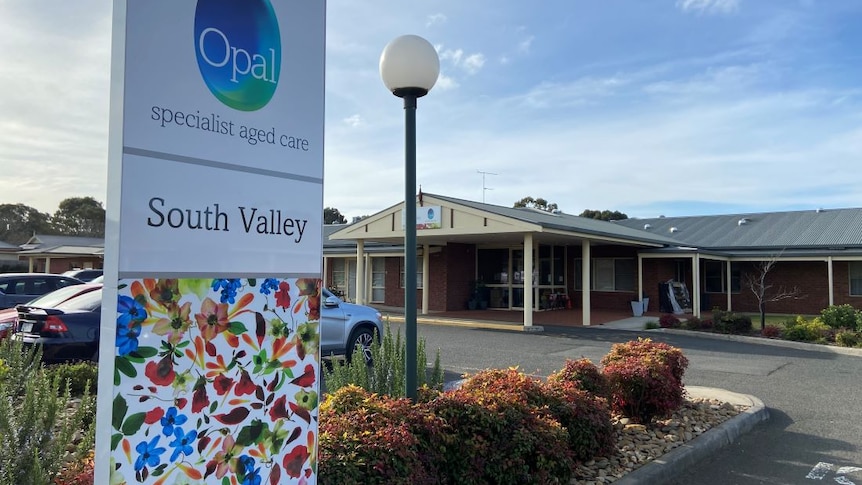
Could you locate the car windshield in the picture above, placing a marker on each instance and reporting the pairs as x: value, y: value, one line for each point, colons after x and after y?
x: 88, y: 302
x: 56, y: 297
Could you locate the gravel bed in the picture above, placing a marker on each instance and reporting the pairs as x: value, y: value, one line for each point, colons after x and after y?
x: 639, y: 444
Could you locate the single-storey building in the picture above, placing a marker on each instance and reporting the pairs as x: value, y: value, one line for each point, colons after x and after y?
x: 683, y: 264
x: 58, y: 254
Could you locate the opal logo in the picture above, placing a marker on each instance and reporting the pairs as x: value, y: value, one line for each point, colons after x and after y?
x: 238, y: 49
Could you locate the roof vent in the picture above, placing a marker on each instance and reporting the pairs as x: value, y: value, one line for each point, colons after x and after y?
x: 674, y: 229
x: 742, y: 221
x: 820, y: 209
x: 647, y: 227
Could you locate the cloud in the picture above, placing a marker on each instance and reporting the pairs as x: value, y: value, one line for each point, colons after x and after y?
x: 434, y: 19
x: 709, y: 6
x: 445, y: 82
x: 470, y: 63
x: 474, y: 62
x: 354, y: 121
x: 524, y: 45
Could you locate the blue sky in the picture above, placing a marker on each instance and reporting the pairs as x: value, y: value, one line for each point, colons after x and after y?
x: 673, y: 107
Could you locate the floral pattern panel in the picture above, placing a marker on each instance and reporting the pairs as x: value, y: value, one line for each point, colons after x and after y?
x: 216, y: 381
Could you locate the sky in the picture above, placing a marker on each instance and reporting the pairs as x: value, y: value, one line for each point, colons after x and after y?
x: 648, y: 107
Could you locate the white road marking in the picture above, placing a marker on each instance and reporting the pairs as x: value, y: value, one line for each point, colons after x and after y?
x: 819, y: 471
x: 843, y: 480
x: 848, y: 469
x: 822, y: 469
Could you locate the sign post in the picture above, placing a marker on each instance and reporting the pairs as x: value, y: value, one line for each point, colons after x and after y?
x: 209, y: 354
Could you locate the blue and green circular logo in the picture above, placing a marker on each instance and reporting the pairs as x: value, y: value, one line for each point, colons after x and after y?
x: 238, y: 48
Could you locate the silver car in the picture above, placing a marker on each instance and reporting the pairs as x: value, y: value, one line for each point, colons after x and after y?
x: 345, y: 326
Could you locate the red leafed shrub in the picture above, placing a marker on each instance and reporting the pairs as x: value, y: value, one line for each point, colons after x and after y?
x: 669, y: 321
x: 645, y: 379
x: 771, y: 331
x: 585, y: 416
x: 369, y: 439
x: 77, y: 473
x: 584, y: 374
x: 494, y: 437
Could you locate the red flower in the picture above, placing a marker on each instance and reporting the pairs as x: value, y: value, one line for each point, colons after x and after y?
x: 278, y: 409
x: 314, y: 307
x: 235, y: 416
x: 306, y: 379
x: 282, y: 296
x: 161, y: 373
x: 294, y: 461
x: 245, y: 385
x: 154, y: 415
x: 180, y: 403
x: 222, y: 384
x: 200, y: 399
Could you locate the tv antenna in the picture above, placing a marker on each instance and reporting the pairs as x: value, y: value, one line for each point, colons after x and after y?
x: 484, y: 188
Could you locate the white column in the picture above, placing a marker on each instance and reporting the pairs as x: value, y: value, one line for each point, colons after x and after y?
x: 695, y: 285
x: 831, y: 281
x: 585, y: 281
x: 30, y: 259
x: 368, y: 269
x: 640, y: 278
x: 528, y: 280
x: 360, y: 271
x: 48, y: 265
x: 324, y: 276
x: 426, y: 280
x: 729, y: 307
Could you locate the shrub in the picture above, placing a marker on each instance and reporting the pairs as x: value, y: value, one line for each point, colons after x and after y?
x: 848, y: 338
x: 842, y: 316
x: 771, y: 331
x: 803, y: 330
x: 584, y: 374
x: 733, y: 323
x: 695, y: 323
x: 645, y: 379
x: 585, y: 416
x: 495, y: 438
x: 651, y: 325
x: 386, y: 374
x: 669, y: 321
x: 79, y: 375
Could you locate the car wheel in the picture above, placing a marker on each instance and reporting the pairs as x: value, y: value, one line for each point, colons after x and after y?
x: 362, y: 338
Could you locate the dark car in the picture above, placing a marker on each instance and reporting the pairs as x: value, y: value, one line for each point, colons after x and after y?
x: 66, y: 332
x: 86, y: 275
x: 9, y: 316
x: 18, y: 288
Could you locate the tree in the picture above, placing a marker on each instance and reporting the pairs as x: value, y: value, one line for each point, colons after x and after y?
x: 18, y: 223
x: 604, y: 215
x: 538, y: 203
x: 80, y: 216
x: 763, y: 291
x: 331, y: 215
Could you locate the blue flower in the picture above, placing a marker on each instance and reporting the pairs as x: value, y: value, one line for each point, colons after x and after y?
x: 127, y: 338
x: 268, y: 285
x: 245, y: 469
x: 171, y: 419
x: 148, y: 453
x: 183, y: 443
x: 129, y: 310
x: 228, y: 288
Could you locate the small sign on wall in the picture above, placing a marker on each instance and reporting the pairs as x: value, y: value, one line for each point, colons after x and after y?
x: 427, y: 217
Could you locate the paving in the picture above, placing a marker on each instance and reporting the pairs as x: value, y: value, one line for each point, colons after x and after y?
x: 671, y: 465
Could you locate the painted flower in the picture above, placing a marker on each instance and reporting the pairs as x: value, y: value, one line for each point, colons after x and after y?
x: 213, y: 319
x: 222, y: 384
x: 154, y: 415
x: 129, y: 310
x: 245, y: 384
x: 200, y: 398
x: 277, y: 328
x: 309, y: 338
x: 228, y: 287
x: 282, y: 296
x: 306, y: 399
x: 308, y: 286
x: 172, y: 419
x: 268, y: 285
x: 245, y: 469
x: 166, y: 293
x: 148, y: 453
x: 279, y: 409
x: 294, y: 461
x: 175, y: 325
x: 182, y: 381
x: 127, y: 338
x: 225, y: 459
x: 161, y: 373
x: 182, y: 443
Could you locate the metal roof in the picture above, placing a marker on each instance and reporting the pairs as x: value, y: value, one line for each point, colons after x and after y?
x: 832, y: 229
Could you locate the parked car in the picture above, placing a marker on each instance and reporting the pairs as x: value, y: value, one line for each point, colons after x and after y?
x: 70, y: 330
x: 86, y: 275
x: 345, y: 326
x: 18, y: 288
x: 9, y: 316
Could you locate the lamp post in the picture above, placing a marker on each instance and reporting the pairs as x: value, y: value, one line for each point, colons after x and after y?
x: 409, y: 67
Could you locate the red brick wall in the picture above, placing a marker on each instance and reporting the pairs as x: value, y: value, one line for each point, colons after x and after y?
x: 61, y: 265
x: 459, y: 268
x: 841, y: 278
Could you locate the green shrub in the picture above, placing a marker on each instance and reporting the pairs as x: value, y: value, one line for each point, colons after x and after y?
x: 842, y: 316
x: 386, y: 375
x: 802, y: 330
x: 80, y: 375
x: 584, y: 415
x: 848, y: 338
x: 38, y: 418
x: 584, y: 374
x: 651, y: 325
x: 645, y: 379
x: 733, y: 323
x: 669, y: 321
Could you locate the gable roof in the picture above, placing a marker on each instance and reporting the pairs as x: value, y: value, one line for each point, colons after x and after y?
x: 50, y: 240
x: 812, y: 229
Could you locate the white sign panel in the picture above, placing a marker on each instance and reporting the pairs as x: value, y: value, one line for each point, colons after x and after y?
x: 427, y: 217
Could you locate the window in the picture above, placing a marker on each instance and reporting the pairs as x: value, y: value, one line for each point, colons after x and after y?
x: 339, y: 278
x: 378, y: 279
x: 714, y: 277
x: 855, y: 268
x: 609, y: 274
x: 418, y: 273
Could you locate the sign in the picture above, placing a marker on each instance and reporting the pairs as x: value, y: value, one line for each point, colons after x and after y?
x: 427, y: 217
x: 210, y: 350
